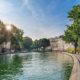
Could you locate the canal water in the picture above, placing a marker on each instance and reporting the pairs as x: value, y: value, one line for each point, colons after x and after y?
x: 35, y: 66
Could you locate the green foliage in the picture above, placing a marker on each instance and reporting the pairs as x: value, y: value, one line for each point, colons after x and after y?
x: 11, y: 67
x: 41, y: 44
x: 27, y: 42
x: 70, y: 50
x: 72, y: 33
x: 74, y: 14
x: 44, y: 43
x: 15, y: 35
x: 16, y: 32
x: 36, y: 44
x: 2, y: 32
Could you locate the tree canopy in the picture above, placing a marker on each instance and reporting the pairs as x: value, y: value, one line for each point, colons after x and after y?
x: 74, y: 14
x: 15, y: 35
x: 41, y: 44
x: 27, y: 42
x: 72, y: 33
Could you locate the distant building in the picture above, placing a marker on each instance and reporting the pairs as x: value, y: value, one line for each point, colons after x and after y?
x: 58, y: 44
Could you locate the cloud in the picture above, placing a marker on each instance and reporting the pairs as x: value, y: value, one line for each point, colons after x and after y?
x: 5, y: 7
x: 30, y: 7
x: 36, y: 11
x: 38, y: 23
x: 41, y: 24
x: 42, y: 31
x: 25, y: 2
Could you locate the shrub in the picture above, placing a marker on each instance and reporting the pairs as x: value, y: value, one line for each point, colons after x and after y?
x: 78, y: 50
x: 70, y: 50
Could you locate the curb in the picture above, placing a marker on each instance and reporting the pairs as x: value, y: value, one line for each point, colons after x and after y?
x: 75, y: 71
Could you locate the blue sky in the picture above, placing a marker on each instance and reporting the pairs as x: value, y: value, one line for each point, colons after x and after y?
x: 38, y: 18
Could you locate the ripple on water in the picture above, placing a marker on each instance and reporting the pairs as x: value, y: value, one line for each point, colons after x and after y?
x: 35, y: 66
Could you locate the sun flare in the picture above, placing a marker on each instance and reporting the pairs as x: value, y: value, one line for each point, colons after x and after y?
x: 8, y: 27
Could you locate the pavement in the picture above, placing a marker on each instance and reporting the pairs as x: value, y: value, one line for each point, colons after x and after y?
x: 75, y: 74
x: 78, y: 58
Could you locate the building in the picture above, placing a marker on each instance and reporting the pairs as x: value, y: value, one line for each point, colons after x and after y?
x: 58, y: 44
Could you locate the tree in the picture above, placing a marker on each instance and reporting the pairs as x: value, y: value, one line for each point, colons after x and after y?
x: 36, y: 45
x: 74, y: 14
x: 2, y: 32
x: 27, y: 42
x: 41, y: 44
x: 72, y: 34
x: 16, y: 37
x: 44, y: 43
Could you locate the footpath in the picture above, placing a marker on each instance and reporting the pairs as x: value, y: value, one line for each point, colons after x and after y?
x: 78, y: 58
x: 75, y: 74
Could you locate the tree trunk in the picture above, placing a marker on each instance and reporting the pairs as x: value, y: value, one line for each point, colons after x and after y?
x: 75, y: 49
x: 76, y: 45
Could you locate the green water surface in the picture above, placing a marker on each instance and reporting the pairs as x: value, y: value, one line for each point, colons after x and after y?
x: 35, y: 66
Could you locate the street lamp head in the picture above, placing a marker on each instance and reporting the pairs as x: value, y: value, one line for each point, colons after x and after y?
x: 8, y: 27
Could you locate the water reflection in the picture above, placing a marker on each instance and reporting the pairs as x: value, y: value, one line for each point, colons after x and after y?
x: 35, y: 66
x: 10, y: 67
x: 67, y: 70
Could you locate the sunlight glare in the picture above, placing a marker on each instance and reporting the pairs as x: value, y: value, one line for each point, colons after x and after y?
x: 8, y: 27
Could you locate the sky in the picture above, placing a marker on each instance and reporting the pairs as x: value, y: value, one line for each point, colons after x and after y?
x: 37, y: 18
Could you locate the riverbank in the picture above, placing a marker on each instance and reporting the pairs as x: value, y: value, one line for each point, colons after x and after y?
x: 76, y: 68
x: 78, y: 57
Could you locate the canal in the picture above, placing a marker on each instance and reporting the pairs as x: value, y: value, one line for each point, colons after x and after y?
x: 35, y: 66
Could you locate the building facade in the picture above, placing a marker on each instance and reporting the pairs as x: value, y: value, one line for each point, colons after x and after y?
x: 58, y: 44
